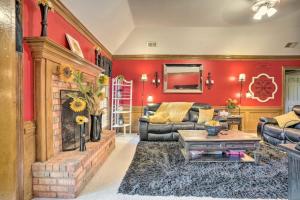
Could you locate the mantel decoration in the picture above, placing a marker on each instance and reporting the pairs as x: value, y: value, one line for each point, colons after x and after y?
x: 65, y: 73
x: 45, y: 5
x: 92, y: 94
x: 263, y: 88
x: 74, y: 45
x: 81, y: 120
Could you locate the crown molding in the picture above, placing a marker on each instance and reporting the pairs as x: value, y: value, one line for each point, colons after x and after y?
x: 62, y: 10
x: 206, y: 57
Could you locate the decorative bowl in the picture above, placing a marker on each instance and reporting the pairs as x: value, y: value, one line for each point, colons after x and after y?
x: 213, y: 130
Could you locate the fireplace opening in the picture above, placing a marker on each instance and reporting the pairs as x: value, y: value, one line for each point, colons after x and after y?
x: 69, y: 129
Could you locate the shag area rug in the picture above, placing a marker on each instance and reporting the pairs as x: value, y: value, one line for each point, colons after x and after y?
x: 158, y: 169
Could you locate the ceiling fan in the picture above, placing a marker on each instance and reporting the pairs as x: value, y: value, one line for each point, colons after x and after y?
x: 264, y: 8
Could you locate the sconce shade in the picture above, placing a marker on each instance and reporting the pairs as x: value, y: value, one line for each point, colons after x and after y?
x: 150, y: 99
x: 242, y: 77
x: 144, y: 77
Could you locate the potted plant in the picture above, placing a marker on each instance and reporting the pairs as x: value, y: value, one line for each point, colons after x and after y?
x: 231, y: 104
x: 92, y: 95
x: 45, y: 5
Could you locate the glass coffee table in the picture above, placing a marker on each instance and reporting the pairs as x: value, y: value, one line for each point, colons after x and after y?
x: 214, y: 148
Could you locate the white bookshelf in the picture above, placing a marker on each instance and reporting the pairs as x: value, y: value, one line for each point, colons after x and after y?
x: 121, y: 101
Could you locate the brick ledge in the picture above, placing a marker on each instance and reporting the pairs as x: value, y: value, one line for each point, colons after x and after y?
x: 66, y: 174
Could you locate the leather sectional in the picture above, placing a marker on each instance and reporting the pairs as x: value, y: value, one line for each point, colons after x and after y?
x: 273, y: 134
x: 168, y: 132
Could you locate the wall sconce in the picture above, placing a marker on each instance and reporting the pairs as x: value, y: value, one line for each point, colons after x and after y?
x: 144, y: 77
x: 156, y: 80
x: 209, y: 82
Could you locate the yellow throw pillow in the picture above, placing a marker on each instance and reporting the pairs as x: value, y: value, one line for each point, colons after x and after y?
x: 205, y: 115
x: 159, y: 118
x: 287, y: 119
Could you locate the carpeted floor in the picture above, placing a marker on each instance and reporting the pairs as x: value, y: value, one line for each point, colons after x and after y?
x: 158, y: 169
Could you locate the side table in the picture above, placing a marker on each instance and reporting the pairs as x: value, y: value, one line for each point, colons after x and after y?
x: 294, y: 171
x: 234, y: 120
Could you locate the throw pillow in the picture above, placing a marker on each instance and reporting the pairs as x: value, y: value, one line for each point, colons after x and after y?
x: 287, y: 119
x: 205, y: 115
x: 159, y: 118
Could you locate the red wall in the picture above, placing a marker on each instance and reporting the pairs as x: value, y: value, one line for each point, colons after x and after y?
x: 224, y: 73
x: 57, y: 28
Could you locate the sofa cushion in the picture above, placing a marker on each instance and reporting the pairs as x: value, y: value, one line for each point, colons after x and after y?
x: 296, y: 109
x: 183, y: 126
x: 199, y: 126
x: 274, y: 131
x: 193, y: 116
x: 205, y: 115
x: 297, y: 126
x: 287, y: 119
x: 292, y: 134
x: 159, y: 128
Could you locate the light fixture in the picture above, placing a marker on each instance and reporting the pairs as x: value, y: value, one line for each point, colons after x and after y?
x: 144, y: 78
x: 264, y: 7
x: 209, y: 82
x: 150, y: 99
x: 156, y: 80
x: 242, y: 77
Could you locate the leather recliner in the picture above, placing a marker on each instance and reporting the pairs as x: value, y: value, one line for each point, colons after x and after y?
x: 168, y: 132
x: 270, y: 131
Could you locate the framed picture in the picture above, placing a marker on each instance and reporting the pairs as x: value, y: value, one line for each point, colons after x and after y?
x: 74, y: 46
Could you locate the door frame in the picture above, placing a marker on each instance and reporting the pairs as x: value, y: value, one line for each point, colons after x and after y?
x: 284, y: 69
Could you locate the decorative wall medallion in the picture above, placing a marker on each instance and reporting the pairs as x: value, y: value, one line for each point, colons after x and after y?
x: 263, y: 87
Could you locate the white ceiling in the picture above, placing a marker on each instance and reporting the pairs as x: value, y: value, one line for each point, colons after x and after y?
x: 204, y: 27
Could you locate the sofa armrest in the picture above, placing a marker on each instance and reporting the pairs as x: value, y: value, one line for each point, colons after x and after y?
x: 268, y: 120
x: 143, y: 128
x: 144, y: 119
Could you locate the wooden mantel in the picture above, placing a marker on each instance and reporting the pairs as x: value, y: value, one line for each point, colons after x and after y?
x: 47, y: 56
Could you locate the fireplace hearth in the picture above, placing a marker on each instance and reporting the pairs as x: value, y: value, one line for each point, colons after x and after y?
x: 70, y: 130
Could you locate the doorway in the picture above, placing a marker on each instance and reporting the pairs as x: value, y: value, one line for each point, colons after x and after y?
x: 291, y: 89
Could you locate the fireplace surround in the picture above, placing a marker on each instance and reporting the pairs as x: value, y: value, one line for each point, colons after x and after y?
x: 56, y: 173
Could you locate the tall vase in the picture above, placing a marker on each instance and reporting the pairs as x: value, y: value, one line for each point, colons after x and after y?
x: 96, y: 127
x: 44, y: 15
x: 82, y: 146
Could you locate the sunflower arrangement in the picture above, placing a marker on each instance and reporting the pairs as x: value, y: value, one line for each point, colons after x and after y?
x: 80, y: 119
x: 66, y: 73
x: 78, y: 104
x: 231, y: 103
x: 46, y: 3
x: 92, y: 94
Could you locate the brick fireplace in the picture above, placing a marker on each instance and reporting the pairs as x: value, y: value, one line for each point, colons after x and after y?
x: 59, y: 173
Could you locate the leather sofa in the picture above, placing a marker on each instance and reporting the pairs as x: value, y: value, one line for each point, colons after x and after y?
x: 270, y: 131
x: 168, y: 132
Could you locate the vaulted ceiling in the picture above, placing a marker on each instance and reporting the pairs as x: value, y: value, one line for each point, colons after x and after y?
x: 186, y: 27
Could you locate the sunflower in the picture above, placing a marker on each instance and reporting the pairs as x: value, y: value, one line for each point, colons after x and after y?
x: 66, y: 73
x: 80, y: 119
x: 78, y: 105
x: 104, y: 79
